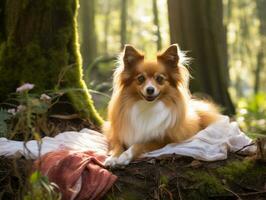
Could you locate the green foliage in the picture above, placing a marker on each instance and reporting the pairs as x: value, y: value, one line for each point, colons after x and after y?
x: 251, y: 114
x: 41, y: 188
x: 164, y: 180
x: 27, y: 116
x: 4, y: 117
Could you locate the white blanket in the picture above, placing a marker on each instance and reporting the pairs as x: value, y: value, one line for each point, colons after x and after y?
x: 210, y: 144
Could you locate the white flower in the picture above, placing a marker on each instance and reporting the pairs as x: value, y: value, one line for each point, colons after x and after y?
x: 45, y: 97
x: 21, y: 108
x: 12, y: 111
x: 25, y: 87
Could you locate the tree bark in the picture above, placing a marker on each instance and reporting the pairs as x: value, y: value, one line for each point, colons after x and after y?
x: 197, y: 26
x: 88, y: 33
x: 106, y: 27
x: 261, y: 6
x: 157, y: 24
x: 123, y: 23
x: 39, y: 44
x: 177, y: 177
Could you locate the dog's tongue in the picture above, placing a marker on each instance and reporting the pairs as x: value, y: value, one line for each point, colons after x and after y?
x: 150, y: 98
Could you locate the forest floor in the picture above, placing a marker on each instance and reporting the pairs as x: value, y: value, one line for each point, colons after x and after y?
x: 169, y: 177
x: 177, y: 177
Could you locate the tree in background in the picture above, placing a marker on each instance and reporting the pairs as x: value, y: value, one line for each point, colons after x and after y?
x: 88, y: 31
x: 261, y: 10
x: 157, y: 24
x: 197, y: 26
x: 38, y: 43
x: 106, y: 26
x: 243, y: 46
x: 123, y: 23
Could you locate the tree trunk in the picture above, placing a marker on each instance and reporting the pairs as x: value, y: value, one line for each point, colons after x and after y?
x: 261, y: 6
x: 123, y: 23
x: 157, y: 24
x: 258, y: 69
x: 39, y: 44
x: 88, y: 33
x: 197, y: 26
x: 106, y: 27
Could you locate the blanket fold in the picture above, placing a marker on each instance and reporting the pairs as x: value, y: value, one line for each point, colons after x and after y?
x: 79, y: 175
x: 212, y: 143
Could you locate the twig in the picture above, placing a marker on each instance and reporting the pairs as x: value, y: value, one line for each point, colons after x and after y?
x: 67, y: 117
x: 169, y: 193
x: 118, y: 188
x: 252, y: 193
x: 246, y: 187
x: 238, y: 197
x: 253, y: 143
x: 178, y: 189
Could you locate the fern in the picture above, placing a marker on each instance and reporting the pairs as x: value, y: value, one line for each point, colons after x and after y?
x: 4, y: 116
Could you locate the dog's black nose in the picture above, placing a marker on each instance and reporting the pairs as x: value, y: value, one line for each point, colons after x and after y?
x: 150, y: 90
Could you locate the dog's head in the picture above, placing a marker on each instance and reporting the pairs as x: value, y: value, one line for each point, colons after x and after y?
x: 150, y: 80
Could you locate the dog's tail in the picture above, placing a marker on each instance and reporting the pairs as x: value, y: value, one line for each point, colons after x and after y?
x: 207, y: 111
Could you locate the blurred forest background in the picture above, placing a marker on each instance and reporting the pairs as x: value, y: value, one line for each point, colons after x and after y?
x: 43, y: 93
x: 226, y: 40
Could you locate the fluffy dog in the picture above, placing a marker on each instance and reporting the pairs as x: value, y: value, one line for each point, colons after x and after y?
x: 151, y: 105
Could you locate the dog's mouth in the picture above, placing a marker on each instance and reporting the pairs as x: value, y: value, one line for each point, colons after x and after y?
x: 150, y: 97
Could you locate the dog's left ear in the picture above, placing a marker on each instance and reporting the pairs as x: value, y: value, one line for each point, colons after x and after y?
x: 170, y: 56
x: 131, y: 56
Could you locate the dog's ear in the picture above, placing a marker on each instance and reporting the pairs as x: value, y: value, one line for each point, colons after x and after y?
x: 170, y: 56
x: 131, y: 56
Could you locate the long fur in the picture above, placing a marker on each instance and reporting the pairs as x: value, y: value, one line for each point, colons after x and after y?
x: 138, y: 126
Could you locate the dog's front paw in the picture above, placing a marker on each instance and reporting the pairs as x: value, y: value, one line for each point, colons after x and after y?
x: 110, y: 161
x: 125, y: 157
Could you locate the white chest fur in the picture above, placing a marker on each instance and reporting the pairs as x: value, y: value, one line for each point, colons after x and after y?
x: 148, y: 120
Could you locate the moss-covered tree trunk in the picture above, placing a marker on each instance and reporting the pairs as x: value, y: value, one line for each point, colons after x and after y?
x: 38, y: 42
x: 182, y: 178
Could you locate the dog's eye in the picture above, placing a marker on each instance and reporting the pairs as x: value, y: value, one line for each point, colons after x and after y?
x: 159, y: 79
x: 141, y: 79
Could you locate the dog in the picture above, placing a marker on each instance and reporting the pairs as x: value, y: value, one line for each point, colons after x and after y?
x: 151, y: 105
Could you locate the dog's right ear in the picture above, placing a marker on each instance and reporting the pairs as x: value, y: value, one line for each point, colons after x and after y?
x: 170, y: 56
x: 131, y: 56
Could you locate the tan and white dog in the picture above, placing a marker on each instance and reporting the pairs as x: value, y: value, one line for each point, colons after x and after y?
x: 151, y: 105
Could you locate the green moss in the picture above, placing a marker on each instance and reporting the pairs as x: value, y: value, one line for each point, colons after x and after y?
x: 41, y: 43
x: 164, y: 180
x: 247, y: 170
x: 235, y: 169
x: 205, y: 185
x: 213, y: 182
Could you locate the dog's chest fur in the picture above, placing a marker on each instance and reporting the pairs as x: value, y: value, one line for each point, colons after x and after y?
x: 148, y: 121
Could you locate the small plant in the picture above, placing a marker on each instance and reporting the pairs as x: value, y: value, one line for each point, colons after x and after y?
x: 5, y: 116
x: 251, y: 115
x: 41, y: 188
x: 26, y: 113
